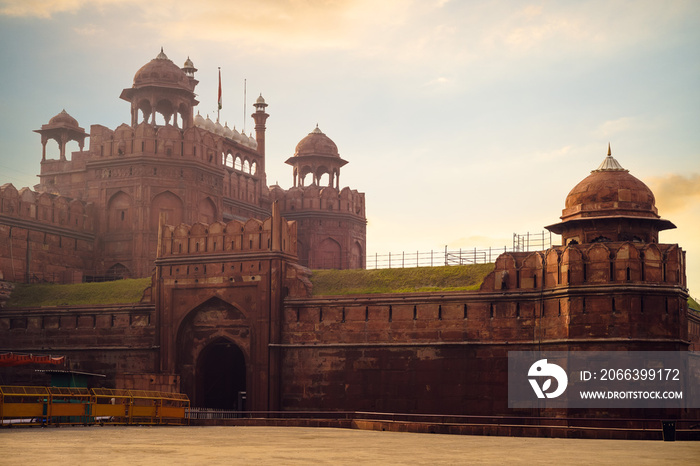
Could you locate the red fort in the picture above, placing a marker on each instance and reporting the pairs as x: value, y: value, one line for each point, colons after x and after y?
x: 185, y: 200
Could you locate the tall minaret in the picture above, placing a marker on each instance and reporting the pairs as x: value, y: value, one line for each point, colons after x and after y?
x: 260, y: 118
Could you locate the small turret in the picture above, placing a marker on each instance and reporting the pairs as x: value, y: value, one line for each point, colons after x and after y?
x: 260, y: 117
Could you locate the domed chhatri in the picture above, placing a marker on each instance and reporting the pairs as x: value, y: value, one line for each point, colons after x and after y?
x: 317, y: 155
x: 610, y: 205
x: 162, y: 71
x: 162, y: 88
x: 63, y: 119
x: 316, y: 143
x: 61, y: 128
x: 610, y: 190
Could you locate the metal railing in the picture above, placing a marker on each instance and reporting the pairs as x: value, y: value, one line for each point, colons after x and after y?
x: 532, y: 241
x: 211, y: 413
x: 463, y: 256
x: 341, y: 418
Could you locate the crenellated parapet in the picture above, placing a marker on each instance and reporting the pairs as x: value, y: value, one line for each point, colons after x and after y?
x: 589, y: 264
x: 196, y: 142
x: 332, y: 224
x: 318, y: 199
x: 43, y: 209
x: 44, y: 237
x: 232, y: 167
x: 600, y: 290
x: 233, y: 237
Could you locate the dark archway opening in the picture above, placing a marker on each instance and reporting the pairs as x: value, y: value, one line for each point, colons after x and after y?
x: 221, y: 376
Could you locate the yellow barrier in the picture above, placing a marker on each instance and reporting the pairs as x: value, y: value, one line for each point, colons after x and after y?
x: 69, y: 405
x: 26, y: 405
x: 110, y: 406
x: 59, y: 405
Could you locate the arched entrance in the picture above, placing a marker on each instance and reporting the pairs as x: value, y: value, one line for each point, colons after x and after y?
x: 220, y: 376
x: 213, y: 350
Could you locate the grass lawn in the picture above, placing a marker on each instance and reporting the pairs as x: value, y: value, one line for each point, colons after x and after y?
x: 359, y: 281
x: 326, y: 283
x: 79, y: 294
x: 693, y: 304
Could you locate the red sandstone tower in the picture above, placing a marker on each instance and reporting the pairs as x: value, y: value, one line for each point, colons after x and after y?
x: 168, y: 161
x: 332, y: 222
x: 610, y: 205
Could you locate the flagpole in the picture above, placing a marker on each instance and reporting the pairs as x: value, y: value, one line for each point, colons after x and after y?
x: 244, y: 101
x: 218, y: 110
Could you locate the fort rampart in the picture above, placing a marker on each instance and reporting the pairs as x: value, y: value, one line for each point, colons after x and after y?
x: 116, y: 341
x: 440, y: 352
x: 44, y: 237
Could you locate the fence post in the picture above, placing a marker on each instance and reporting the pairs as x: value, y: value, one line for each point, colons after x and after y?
x: 403, y: 257
x: 445, y: 254
x: 431, y: 257
x: 389, y: 259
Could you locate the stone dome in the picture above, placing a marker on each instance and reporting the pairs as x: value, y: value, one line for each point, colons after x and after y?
x: 209, y: 125
x: 63, y: 119
x: 243, y: 139
x: 235, y: 135
x: 227, y: 131
x: 610, y: 205
x: 610, y: 190
x: 161, y: 71
x: 316, y: 143
x: 199, y: 121
x: 252, y: 143
x: 218, y: 129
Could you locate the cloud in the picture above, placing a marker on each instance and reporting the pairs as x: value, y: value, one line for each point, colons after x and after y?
x: 636, y: 124
x: 675, y: 192
x: 87, y: 30
x: 48, y: 8
x: 284, y: 24
x: 553, y: 155
x: 438, y: 83
x: 614, y: 127
x: 439, y: 34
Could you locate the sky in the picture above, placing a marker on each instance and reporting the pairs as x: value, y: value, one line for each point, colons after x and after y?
x: 463, y: 121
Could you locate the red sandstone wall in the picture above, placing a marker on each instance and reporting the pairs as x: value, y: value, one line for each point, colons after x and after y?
x: 447, y: 352
x: 110, y: 340
x: 430, y: 352
x: 44, y: 237
x: 440, y: 353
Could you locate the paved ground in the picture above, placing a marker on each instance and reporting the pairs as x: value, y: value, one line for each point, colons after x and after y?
x: 296, y: 445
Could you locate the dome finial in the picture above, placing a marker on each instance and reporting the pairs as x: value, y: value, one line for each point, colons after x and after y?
x: 609, y: 163
x: 162, y: 55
